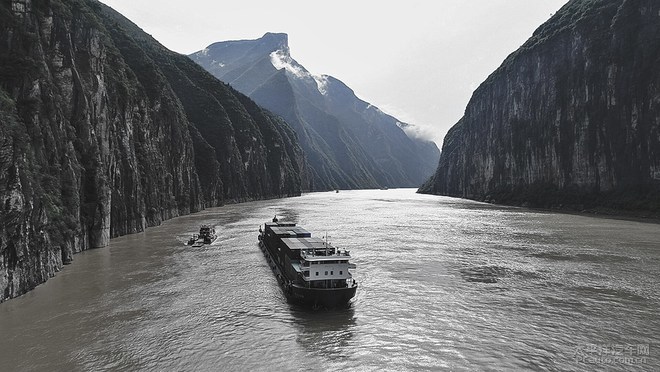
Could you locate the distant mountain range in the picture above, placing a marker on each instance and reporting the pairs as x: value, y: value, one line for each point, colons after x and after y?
x: 349, y: 143
x: 571, y: 120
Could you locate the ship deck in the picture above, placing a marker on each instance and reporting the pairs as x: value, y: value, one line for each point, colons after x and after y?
x: 292, y: 231
x: 307, y: 243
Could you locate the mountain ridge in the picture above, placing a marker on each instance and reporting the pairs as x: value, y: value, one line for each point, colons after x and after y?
x: 349, y: 142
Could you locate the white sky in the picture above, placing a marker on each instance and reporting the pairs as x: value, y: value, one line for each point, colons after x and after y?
x: 418, y: 60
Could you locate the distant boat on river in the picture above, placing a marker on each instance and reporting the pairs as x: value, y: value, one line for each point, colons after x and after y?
x: 206, y: 235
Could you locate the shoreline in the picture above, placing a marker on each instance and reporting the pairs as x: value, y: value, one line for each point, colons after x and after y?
x: 71, y: 262
x: 644, y: 216
x: 612, y: 214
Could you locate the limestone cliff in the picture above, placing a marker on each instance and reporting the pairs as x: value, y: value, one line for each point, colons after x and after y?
x: 570, y: 120
x: 105, y: 132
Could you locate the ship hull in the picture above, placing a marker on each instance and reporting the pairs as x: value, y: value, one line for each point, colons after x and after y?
x: 315, y: 297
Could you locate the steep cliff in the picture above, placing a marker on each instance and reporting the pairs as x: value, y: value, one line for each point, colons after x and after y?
x: 106, y: 132
x: 349, y: 142
x: 570, y: 120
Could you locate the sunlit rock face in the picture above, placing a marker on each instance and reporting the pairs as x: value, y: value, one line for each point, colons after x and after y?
x: 570, y: 120
x: 105, y: 132
x: 348, y: 142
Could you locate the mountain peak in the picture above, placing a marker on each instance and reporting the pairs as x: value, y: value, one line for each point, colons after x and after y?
x: 277, y: 41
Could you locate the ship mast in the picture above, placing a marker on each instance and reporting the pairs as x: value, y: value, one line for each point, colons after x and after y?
x: 326, y: 243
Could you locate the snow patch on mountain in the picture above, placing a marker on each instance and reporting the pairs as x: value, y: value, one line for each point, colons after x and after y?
x: 281, y: 59
x: 321, y: 83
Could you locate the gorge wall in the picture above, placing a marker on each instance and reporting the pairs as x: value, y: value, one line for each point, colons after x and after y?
x: 570, y: 120
x: 105, y: 132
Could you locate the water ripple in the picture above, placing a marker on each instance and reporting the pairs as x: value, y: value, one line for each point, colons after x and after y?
x: 445, y: 284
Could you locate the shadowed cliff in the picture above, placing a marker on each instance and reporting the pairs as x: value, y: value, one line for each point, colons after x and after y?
x: 570, y: 120
x: 106, y: 132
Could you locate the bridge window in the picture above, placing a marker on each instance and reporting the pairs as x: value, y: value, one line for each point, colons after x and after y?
x: 326, y: 273
x: 317, y: 273
x: 332, y: 273
x: 341, y: 272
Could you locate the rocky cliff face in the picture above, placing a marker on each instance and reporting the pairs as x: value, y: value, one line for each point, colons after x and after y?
x: 105, y: 132
x: 570, y: 120
x: 349, y: 143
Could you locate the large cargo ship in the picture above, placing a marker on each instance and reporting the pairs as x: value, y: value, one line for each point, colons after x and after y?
x: 310, y: 271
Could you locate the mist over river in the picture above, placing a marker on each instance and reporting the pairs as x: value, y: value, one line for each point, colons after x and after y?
x: 445, y: 284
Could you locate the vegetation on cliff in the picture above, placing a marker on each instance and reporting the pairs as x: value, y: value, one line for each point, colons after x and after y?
x: 570, y: 120
x: 106, y: 132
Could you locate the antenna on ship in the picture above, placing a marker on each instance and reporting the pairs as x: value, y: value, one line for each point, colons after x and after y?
x: 275, y: 218
x: 326, y: 243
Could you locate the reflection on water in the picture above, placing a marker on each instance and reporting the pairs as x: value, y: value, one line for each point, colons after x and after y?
x: 325, y: 332
x: 445, y: 284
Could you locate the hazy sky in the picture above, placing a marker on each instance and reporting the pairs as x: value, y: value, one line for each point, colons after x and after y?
x: 418, y: 60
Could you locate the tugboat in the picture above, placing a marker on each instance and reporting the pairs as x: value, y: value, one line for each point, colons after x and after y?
x: 310, y: 271
x: 206, y: 236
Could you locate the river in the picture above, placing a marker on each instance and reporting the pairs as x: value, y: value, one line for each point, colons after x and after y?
x: 444, y: 284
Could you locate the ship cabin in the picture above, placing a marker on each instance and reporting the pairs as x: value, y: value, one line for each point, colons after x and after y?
x: 207, y: 234
x: 308, y: 262
x: 206, y: 230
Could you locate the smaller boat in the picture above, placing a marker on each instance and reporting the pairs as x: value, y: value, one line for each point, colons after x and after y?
x: 206, y: 236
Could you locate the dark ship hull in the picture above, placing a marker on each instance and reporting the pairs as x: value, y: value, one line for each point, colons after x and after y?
x: 314, y: 297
